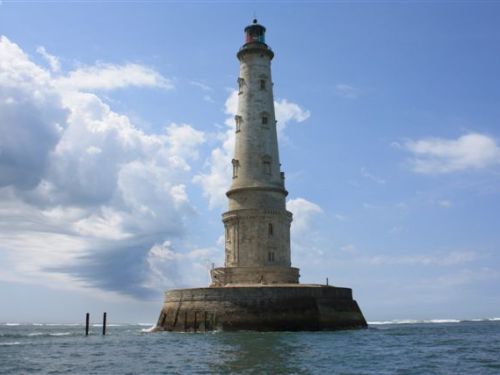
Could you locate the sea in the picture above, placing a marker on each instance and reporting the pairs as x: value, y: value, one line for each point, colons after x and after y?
x: 393, y: 347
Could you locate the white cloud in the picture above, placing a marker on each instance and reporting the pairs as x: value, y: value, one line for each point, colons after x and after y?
x: 303, y: 212
x: 347, y: 91
x: 216, y: 182
x: 32, y: 119
x: 306, y: 241
x: 287, y: 111
x: 218, y: 178
x: 437, y: 155
x: 173, y: 269
x: 85, y: 194
x: 110, y: 76
x: 53, y: 61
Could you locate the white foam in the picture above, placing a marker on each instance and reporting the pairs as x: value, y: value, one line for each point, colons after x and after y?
x: 150, y: 329
x: 413, y: 321
x: 442, y: 321
x: 9, y: 343
x: 380, y: 323
x: 60, y: 334
x: 12, y: 324
x: 145, y: 324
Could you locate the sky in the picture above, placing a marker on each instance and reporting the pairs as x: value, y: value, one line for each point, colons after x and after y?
x: 117, y: 131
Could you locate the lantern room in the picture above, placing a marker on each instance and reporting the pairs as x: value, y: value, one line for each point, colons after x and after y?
x: 255, y: 33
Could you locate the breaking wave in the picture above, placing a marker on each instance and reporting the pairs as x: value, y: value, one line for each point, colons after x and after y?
x: 431, y: 321
x: 149, y: 329
x: 10, y: 343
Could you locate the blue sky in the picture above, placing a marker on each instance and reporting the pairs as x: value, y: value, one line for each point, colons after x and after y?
x: 116, y: 135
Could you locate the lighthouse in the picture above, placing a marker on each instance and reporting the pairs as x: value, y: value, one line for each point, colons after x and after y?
x: 257, y: 224
x: 257, y: 288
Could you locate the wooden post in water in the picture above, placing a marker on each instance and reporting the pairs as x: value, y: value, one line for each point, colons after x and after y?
x: 87, y: 321
x: 104, y: 324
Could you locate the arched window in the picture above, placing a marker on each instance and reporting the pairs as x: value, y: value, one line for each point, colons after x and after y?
x: 262, y: 84
x: 270, y: 229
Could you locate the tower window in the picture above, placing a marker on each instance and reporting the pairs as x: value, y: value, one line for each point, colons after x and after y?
x: 267, y: 167
x: 238, y: 119
x: 241, y: 83
x: 270, y: 229
x: 264, y: 119
x: 262, y: 84
x: 270, y: 256
x: 266, y: 164
x: 236, y: 166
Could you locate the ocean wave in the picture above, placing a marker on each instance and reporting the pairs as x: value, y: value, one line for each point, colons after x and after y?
x: 145, y: 324
x: 53, y: 334
x: 431, y: 321
x: 10, y: 343
x: 12, y: 324
x: 60, y: 334
x: 150, y: 329
x: 33, y: 334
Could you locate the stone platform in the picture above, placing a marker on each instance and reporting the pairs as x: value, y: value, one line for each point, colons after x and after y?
x: 283, y: 307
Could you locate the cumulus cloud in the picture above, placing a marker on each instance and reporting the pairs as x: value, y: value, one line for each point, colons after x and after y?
x: 86, y: 197
x: 306, y: 243
x: 52, y: 60
x: 32, y: 118
x: 110, y: 76
x: 303, y: 212
x: 287, y: 111
x: 216, y: 181
x: 467, y: 152
x: 169, y: 267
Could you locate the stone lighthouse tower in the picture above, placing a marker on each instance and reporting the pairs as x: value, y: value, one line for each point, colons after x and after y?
x: 257, y: 224
x: 258, y: 289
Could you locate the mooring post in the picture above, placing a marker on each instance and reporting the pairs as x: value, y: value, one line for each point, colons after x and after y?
x: 87, y: 321
x: 104, y: 324
x: 327, y: 281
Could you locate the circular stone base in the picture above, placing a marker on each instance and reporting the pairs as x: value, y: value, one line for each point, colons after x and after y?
x: 286, y: 307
